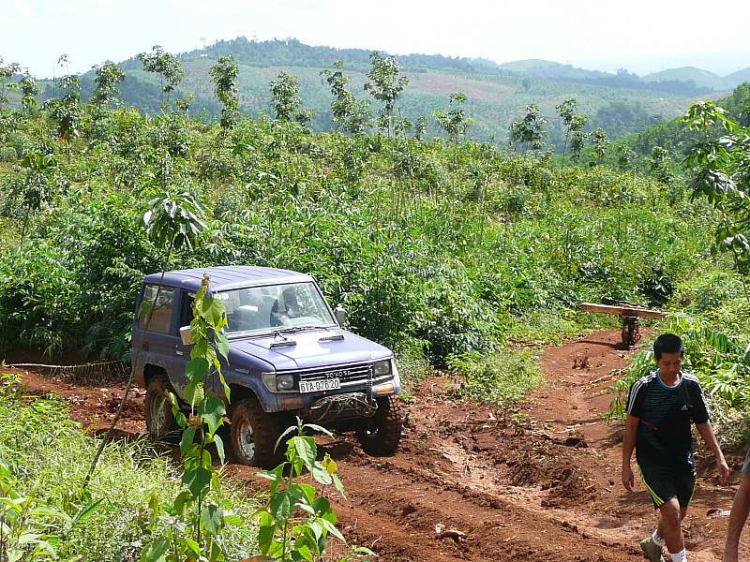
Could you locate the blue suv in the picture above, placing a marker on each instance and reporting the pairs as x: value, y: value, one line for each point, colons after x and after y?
x: 288, y: 356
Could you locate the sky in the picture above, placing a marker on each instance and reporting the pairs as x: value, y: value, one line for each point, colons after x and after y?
x: 640, y: 35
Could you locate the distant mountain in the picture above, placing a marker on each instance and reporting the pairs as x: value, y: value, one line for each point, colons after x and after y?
x: 736, y: 78
x: 496, y: 94
x: 701, y: 78
x: 548, y: 69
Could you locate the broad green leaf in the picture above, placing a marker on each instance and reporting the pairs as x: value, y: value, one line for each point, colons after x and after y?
x: 155, y: 551
x: 306, y: 449
x: 305, y: 553
x: 333, y: 530
x: 85, y: 512
x: 187, y: 440
x: 212, y: 410
x: 309, y: 491
x: 183, y: 498
x: 196, y: 479
x: 222, y: 344
x: 265, y: 537
x: 219, y: 447
x: 212, y: 310
x: 321, y: 474
x: 338, y: 485
x: 211, y: 519
x: 317, y: 529
x: 280, y: 505
x: 193, y: 546
x: 321, y: 506
x: 197, y: 369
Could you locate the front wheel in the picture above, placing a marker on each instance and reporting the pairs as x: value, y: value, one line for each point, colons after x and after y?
x: 381, y: 434
x: 160, y: 421
x: 254, y: 434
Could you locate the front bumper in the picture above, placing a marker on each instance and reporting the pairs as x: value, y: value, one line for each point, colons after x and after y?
x: 295, y: 401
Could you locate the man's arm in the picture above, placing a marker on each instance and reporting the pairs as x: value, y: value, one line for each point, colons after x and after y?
x: 628, y: 445
x: 707, y: 433
x: 737, y: 518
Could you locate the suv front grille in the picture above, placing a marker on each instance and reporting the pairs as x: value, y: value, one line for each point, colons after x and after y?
x: 354, y: 374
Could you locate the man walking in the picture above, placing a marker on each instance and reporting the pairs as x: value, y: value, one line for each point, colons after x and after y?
x: 660, y: 408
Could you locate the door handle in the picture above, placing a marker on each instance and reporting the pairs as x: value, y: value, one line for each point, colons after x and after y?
x: 180, y: 353
x: 144, y: 346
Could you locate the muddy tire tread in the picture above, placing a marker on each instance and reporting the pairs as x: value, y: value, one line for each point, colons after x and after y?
x: 266, y: 429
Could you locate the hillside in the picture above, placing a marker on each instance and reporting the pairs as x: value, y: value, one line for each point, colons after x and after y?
x: 547, y: 69
x: 497, y: 94
x: 737, y: 78
x: 701, y: 78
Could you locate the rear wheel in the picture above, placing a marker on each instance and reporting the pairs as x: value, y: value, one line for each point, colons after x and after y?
x: 381, y: 434
x: 254, y: 434
x: 160, y: 421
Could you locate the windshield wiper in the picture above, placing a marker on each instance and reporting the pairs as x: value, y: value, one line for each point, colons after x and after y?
x: 303, y: 328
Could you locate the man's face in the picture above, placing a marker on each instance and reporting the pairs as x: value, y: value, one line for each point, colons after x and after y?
x: 670, y: 364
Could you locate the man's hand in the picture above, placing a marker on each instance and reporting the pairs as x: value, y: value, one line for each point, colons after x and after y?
x: 628, y: 480
x: 724, y: 471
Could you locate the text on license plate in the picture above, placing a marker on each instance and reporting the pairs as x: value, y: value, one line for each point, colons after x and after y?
x: 321, y: 385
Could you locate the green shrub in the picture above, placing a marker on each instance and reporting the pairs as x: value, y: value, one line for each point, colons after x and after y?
x: 49, y: 456
x: 500, y: 378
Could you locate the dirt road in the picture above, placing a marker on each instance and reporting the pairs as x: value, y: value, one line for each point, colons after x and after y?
x: 469, y: 483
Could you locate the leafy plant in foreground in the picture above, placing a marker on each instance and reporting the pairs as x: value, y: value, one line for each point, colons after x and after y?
x: 198, y: 515
x: 296, y: 523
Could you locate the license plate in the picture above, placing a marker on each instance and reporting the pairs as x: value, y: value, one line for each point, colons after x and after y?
x: 319, y: 386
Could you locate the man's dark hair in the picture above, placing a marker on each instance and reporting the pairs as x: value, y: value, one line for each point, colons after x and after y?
x: 668, y: 343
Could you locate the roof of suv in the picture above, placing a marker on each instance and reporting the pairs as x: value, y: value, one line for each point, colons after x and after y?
x: 228, y: 277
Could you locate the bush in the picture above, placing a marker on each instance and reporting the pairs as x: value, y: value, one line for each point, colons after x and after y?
x: 500, y: 378
x: 49, y: 456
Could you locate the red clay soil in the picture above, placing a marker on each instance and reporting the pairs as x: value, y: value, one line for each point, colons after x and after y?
x: 538, y: 483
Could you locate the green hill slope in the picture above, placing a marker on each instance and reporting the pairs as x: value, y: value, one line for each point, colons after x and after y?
x: 497, y: 94
x: 736, y: 78
x: 701, y: 78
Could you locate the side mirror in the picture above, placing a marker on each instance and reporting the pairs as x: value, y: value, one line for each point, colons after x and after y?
x: 340, y: 315
x: 186, y: 336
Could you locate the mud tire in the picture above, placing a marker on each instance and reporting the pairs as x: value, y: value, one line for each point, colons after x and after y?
x: 381, y: 436
x: 249, y: 420
x: 160, y: 421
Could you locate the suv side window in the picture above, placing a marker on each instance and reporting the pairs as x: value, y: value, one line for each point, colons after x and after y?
x: 186, y: 308
x: 161, y: 314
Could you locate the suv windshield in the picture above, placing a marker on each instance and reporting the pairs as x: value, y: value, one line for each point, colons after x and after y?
x: 258, y: 310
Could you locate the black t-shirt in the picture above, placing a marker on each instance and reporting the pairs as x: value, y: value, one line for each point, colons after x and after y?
x: 664, y: 438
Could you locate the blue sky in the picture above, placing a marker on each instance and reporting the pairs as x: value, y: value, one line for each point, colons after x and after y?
x: 643, y: 36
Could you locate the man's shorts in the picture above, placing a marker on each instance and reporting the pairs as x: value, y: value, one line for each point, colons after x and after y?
x: 665, y: 483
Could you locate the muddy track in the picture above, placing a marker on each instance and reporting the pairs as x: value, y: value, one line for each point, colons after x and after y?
x: 540, y: 482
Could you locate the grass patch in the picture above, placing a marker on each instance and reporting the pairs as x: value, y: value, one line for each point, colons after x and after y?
x: 553, y: 328
x: 49, y: 456
x: 499, y: 378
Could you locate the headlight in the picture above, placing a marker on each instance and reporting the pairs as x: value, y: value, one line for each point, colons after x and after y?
x: 381, y: 368
x: 285, y: 382
x: 278, y: 383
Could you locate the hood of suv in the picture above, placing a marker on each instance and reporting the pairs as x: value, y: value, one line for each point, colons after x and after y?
x: 308, y: 349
